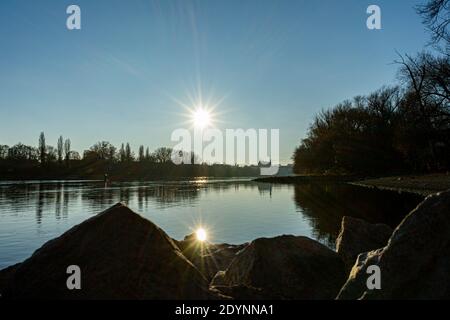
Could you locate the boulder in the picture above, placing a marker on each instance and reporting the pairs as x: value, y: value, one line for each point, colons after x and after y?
x: 121, y: 255
x: 207, y: 257
x: 358, y: 236
x: 285, y: 267
x: 6, y: 275
x: 415, y: 263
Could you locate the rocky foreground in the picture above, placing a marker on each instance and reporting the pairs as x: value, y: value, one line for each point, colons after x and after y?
x: 124, y: 256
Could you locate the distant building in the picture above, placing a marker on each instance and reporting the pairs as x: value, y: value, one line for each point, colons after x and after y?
x: 283, y: 171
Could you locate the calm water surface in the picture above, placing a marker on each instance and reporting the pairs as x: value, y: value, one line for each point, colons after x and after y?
x: 233, y: 211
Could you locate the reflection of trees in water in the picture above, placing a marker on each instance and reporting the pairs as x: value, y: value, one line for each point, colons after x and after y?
x: 265, y: 189
x: 46, y: 197
x: 40, y: 202
x: 53, y: 197
x: 168, y: 194
x: 324, y: 205
x: 60, y: 198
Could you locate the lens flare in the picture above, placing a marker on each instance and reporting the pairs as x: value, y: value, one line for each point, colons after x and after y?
x: 201, y: 234
x: 201, y: 118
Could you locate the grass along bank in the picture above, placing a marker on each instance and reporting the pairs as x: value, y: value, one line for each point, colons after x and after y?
x: 419, y: 184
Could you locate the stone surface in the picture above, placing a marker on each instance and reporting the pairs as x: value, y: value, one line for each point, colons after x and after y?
x: 243, y: 292
x: 416, y: 262
x: 285, y: 267
x: 121, y: 256
x: 358, y: 236
x: 207, y: 257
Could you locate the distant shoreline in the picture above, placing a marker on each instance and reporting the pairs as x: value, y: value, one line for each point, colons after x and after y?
x: 423, y: 185
x: 307, y: 179
x: 418, y: 184
x: 162, y: 179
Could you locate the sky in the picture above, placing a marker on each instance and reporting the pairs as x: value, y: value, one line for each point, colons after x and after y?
x: 126, y: 74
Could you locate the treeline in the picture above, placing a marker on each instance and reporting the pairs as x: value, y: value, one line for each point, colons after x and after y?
x: 395, y: 129
x: 61, y: 162
x: 47, y: 155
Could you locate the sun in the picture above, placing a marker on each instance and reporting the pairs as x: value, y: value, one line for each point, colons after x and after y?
x: 201, y: 118
x: 201, y: 234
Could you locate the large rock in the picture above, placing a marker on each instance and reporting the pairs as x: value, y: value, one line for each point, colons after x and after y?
x: 358, y: 236
x: 5, y: 277
x: 209, y: 258
x: 121, y: 256
x: 285, y: 267
x: 415, y: 264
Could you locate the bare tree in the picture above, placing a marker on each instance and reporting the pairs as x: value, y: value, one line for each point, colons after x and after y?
x: 413, y: 73
x: 103, y: 150
x: 436, y: 16
x: 428, y: 78
x: 162, y: 155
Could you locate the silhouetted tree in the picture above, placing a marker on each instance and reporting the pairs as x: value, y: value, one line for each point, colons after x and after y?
x: 4, y: 151
x: 67, y: 151
x: 405, y: 128
x: 436, y: 17
x: 74, y: 155
x: 162, y: 155
x: 426, y: 107
x: 141, y: 153
x: 102, y: 150
x: 122, y: 155
x: 21, y: 152
x: 51, y: 154
x: 388, y: 130
x: 42, y: 148
x: 128, y: 153
x: 60, y: 149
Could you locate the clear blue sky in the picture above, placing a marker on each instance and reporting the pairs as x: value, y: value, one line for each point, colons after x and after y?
x: 276, y: 62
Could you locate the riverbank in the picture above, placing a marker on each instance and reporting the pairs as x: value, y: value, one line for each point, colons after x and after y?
x: 418, y: 184
x: 423, y: 185
x: 307, y: 179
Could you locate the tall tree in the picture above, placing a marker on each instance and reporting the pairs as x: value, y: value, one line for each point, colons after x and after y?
x: 128, y: 153
x: 67, y: 151
x: 141, y: 153
x: 122, y: 154
x: 42, y: 148
x: 60, y: 149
